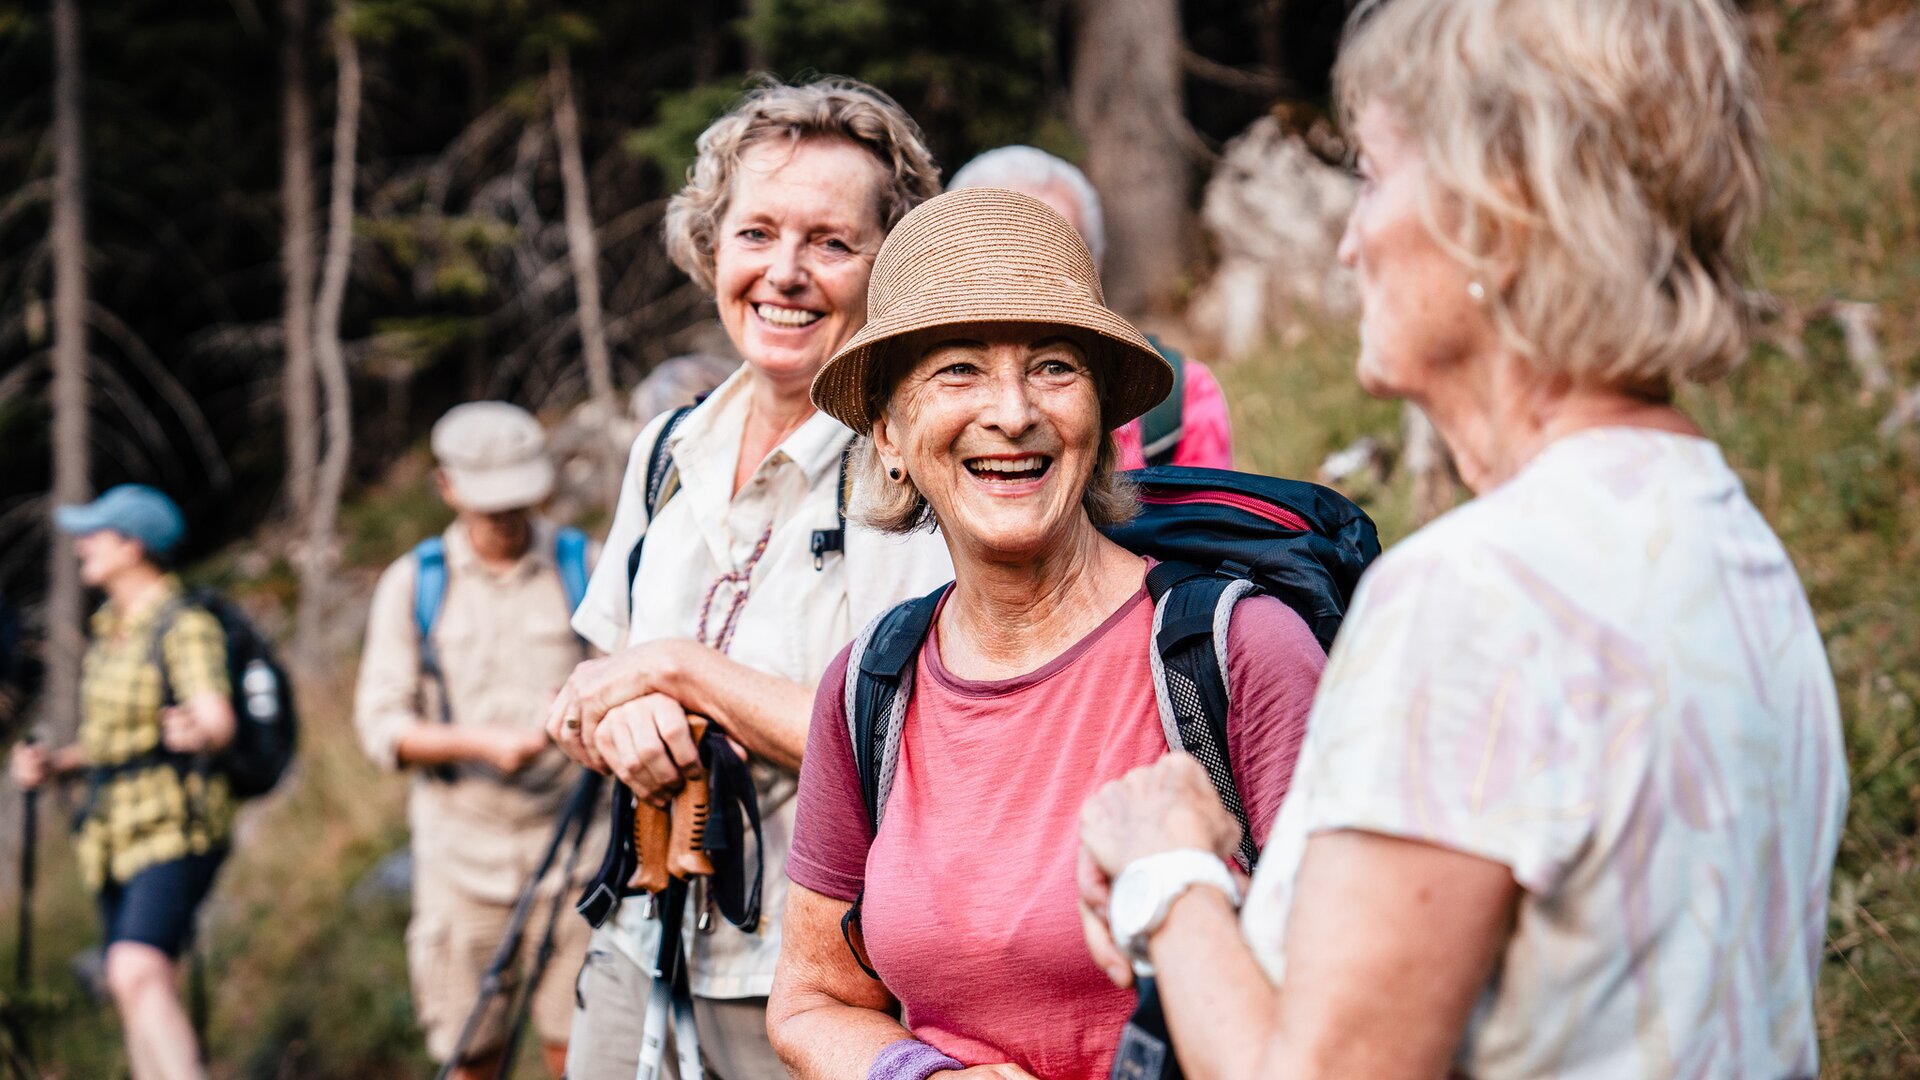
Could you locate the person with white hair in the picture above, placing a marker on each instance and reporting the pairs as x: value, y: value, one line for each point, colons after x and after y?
x: 1191, y: 426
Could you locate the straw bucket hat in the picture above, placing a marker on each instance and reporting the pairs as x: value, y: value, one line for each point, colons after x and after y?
x: 984, y: 255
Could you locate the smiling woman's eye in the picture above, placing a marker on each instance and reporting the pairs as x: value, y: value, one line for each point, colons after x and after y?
x: 959, y: 367
x: 1058, y: 367
x: 752, y: 232
x: 837, y: 245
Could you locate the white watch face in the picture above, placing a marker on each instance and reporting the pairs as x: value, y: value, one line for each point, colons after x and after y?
x: 1130, y: 909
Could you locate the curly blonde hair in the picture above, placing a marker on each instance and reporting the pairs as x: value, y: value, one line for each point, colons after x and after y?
x: 1596, y: 166
x: 827, y: 108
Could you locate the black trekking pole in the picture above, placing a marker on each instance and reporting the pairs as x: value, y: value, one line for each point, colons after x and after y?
x: 29, y: 854
x: 523, y: 1000
x: 579, y: 805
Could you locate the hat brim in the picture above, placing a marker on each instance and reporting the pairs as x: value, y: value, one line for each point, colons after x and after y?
x: 509, y: 487
x: 83, y: 519
x: 1135, y: 379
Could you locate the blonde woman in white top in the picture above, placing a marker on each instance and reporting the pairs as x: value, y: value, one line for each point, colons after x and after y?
x: 1574, y: 780
x: 735, y: 617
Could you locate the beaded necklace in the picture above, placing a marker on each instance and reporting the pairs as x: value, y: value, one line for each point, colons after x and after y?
x: 742, y: 582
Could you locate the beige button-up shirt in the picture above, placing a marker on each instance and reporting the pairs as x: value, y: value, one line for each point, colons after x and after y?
x: 796, y: 619
x: 505, y: 647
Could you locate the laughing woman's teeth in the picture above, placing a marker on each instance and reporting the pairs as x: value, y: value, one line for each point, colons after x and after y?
x: 780, y: 316
x: 1027, y: 468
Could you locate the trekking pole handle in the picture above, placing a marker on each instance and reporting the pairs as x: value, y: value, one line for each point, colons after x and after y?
x: 687, y: 853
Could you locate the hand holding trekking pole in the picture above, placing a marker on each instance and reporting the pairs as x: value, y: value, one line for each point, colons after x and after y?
x: 671, y: 842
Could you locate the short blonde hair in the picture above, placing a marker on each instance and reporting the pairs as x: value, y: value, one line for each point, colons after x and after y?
x: 827, y: 108
x: 1597, y: 165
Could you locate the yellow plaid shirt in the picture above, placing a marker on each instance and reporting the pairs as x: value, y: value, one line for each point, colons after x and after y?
x: 154, y: 813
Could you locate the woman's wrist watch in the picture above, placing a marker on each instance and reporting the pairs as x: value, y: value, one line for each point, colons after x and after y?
x: 1146, y: 890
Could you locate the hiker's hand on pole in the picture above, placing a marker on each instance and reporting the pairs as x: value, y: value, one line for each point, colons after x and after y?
x: 31, y: 766
x: 568, y: 730
x: 648, y: 744
x: 1160, y: 807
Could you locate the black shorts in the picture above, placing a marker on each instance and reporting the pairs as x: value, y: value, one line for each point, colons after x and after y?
x: 158, y: 905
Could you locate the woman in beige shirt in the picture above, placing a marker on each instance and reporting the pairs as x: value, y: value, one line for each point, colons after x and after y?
x: 734, y: 615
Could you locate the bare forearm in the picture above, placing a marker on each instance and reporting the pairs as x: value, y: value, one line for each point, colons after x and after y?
x: 1220, y: 1008
x: 68, y: 760
x: 835, y: 1041
x: 441, y: 744
x: 766, y: 713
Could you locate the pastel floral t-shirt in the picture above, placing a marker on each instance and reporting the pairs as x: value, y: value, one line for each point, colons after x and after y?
x: 1605, y: 675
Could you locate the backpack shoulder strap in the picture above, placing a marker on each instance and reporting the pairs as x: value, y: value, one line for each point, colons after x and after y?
x: 1163, y: 426
x: 429, y: 594
x: 570, y: 555
x: 1192, y: 610
x: 662, y: 481
x: 879, y: 686
x: 834, y: 539
x: 157, y: 649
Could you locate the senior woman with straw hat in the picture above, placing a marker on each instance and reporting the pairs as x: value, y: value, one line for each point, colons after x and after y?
x: 988, y: 379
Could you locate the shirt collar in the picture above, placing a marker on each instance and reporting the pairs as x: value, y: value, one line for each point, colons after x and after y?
x: 711, y: 434
x: 108, y: 621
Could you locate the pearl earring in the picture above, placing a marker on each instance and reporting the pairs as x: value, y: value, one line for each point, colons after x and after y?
x: 1477, y: 291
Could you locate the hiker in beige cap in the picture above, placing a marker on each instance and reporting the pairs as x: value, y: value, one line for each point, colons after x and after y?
x: 466, y: 641
x: 989, y: 378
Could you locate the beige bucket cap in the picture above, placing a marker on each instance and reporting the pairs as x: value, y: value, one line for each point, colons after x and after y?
x: 494, y: 455
x: 986, y: 255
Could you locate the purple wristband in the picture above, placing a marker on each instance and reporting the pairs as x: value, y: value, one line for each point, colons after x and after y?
x: 909, y: 1059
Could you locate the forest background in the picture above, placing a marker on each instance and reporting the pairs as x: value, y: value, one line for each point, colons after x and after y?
x: 199, y: 290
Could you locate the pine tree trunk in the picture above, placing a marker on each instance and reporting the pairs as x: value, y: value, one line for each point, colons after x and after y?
x: 1127, y: 105
x: 330, y: 358
x: 582, y: 248
x: 296, y: 261
x: 65, y: 639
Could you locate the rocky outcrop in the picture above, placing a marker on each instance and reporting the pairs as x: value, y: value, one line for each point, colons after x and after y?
x: 1274, y: 211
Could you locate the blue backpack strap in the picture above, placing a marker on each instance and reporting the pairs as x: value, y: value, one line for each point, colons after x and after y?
x: 879, y: 685
x: 570, y: 556
x: 1192, y: 611
x: 1163, y: 426
x: 429, y: 594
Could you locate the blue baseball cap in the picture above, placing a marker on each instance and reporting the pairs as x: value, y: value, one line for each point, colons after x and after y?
x: 132, y: 510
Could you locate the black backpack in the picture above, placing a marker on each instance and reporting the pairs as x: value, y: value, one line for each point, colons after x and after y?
x: 266, y: 725
x: 1220, y: 537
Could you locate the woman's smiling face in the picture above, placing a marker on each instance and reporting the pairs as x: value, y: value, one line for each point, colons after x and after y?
x: 793, y: 251
x: 998, y: 427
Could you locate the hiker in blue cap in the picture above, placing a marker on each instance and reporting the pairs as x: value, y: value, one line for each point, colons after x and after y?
x: 151, y: 834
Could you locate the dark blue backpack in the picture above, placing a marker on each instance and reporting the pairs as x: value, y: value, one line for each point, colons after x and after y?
x: 1219, y: 537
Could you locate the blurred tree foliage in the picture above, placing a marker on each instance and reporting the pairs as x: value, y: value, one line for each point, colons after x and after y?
x: 460, y: 285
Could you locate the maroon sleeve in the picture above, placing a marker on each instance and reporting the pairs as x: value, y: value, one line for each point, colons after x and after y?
x: 830, y: 832
x: 1273, y: 668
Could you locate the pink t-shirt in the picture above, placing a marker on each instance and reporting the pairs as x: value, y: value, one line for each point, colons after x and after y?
x: 970, y: 911
x: 1206, y: 433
